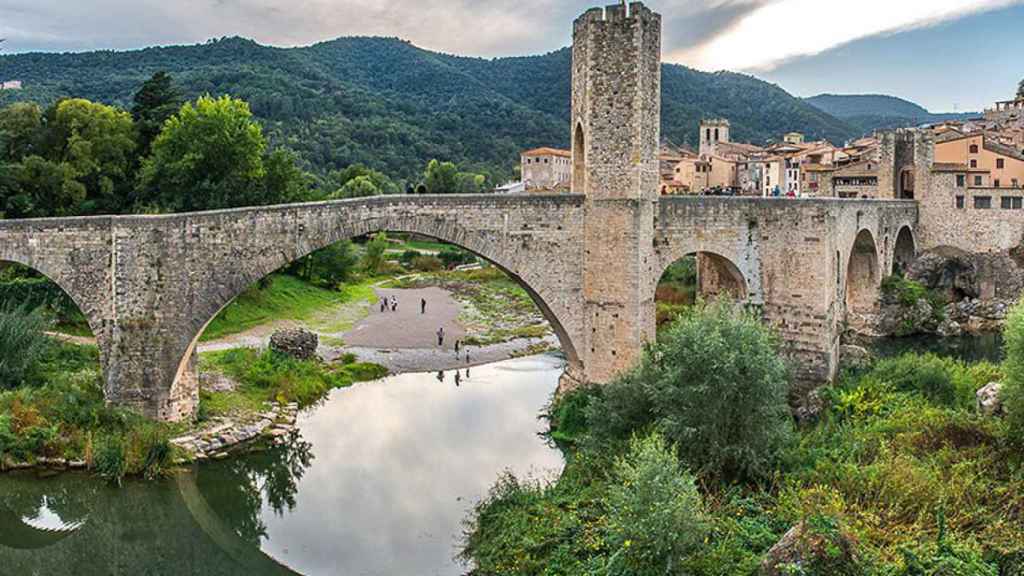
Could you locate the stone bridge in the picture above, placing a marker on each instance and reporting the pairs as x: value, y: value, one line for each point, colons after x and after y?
x: 149, y: 285
x: 591, y: 260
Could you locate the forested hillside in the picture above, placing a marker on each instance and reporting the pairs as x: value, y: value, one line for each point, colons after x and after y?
x: 392, y: 106
x: 870, y: 112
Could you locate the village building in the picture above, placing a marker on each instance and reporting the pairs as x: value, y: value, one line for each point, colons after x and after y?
x: 10, y: 85
x: 546, y: 170
x: 712, y: 132
x: 987, y: 162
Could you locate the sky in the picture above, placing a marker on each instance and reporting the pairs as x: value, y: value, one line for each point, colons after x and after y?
x: 943, y: 54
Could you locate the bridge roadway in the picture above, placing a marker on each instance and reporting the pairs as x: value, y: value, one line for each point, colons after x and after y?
x: 148, y: 285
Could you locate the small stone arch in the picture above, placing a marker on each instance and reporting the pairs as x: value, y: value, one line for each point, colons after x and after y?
x: 904, y: 251
x: 862, y: 275
x: 717, y: 275
x: 443, y: 230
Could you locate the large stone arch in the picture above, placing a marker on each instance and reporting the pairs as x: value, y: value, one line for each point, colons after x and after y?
x: 491, y: 247
x: 863, y: 275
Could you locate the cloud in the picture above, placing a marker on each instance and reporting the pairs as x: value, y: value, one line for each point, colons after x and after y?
x: 708, y: 34
x: 781, y: 30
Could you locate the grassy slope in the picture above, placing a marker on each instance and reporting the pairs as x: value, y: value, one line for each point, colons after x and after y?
x: 286, y: 298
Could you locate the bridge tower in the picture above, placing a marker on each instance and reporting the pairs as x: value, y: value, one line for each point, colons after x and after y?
x: 616, y: 129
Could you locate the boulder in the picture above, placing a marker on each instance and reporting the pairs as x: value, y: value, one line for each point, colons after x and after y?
x: 987, y: 399
x: 950, y: 328
x: 803, y: 550
x: 216, y: 382
x: 851, y: 356
x: 301, y: 344
x: 947, y: 270
x: 809, y: 408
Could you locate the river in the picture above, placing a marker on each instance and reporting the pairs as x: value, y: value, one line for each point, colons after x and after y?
x: 377, y: 480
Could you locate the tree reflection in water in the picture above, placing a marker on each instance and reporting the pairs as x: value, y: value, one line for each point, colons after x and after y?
x: 236, y: 489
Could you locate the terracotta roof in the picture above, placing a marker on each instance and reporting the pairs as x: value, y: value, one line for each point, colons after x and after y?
x: 548, y: 152
x: 1003, y: 150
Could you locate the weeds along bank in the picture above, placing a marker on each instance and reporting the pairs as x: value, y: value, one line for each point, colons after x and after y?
x: 690, y: 464
x: 53, y: 413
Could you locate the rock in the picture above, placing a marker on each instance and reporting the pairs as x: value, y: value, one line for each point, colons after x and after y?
x: 851, y: 356
x: 809, y: 408
x: 805, y: 551
x: 949, y: 328
x: 301, y: 344
x: 987, y: 399
x: 947, y: 270
x: 216, y: 382
x: 220, y: 456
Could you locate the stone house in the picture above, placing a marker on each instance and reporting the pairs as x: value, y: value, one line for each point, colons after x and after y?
x: 989, y: 163
x: 546, y: 170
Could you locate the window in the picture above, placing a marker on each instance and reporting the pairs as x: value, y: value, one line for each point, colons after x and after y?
x: 1015, y: 183
x: 960, y: 202
x: 977, y: 180
x: 1000, y: 163
x: 996, y: 183
x: 961, y: 180
x: 982, y: 202
x: 1012, y: 203
x: 974, y: 148
x: 974, y: 163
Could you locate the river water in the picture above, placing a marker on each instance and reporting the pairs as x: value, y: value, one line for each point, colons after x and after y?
x: 377, y: 481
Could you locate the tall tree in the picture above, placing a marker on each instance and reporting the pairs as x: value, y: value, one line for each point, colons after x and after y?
x: 96, y: 143
x: 157, y: 100
x: 208, y: 156
x: 441, y: 178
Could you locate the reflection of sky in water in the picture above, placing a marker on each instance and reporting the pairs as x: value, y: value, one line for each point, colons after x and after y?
x: 399, y: 463
x: 47, y: 519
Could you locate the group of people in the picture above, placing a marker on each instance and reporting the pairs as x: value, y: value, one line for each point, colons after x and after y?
x: 458, y: 344
x: 389, y: 304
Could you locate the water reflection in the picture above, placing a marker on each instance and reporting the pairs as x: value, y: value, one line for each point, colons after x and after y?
x: 377, y: 481
x: 968, y: 348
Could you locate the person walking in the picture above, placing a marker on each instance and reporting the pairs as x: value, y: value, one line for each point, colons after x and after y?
x: 457, y: 343
x: 467, y: 355
x: 383, y: 305
x: 394, y: 305
x: 440, y: 336
x: 423, y: 305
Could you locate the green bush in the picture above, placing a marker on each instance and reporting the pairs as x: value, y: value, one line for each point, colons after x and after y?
x: 408, y: 256
x: 427, y: 264
x: 453, y: 257
x: 929, y: 375
x: 110, y: 459
x: 1013, y: 367
x: 656, y: 517
x: 714, y: 385
x: 23, y: 343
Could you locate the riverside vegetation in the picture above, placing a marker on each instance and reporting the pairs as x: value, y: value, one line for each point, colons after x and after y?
x: 691, y: 464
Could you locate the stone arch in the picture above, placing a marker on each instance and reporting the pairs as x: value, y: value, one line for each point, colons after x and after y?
x: 92, y: 316
x: 717, y: 275
x: 490, y: 249
x: 579, y: 160
x: 862, y: 275
x: 904, y: 251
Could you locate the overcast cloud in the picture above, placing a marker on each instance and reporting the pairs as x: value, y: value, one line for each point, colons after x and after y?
x: 708, y: 34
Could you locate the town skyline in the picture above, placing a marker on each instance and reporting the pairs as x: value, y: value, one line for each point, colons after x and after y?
x: 810, y: 50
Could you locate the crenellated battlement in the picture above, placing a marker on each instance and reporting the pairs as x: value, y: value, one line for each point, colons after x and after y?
x: 616, y: 13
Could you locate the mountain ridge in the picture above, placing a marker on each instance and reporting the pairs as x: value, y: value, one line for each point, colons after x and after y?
x: 387, y: 103
x: 871, y: 112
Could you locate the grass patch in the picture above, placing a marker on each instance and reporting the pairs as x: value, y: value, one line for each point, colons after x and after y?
x: 283, y: 298
x: 265, y: 376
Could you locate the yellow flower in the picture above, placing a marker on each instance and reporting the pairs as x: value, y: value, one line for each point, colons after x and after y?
x: 628, y: 543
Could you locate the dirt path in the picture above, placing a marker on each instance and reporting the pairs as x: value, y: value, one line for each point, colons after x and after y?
x: 402, y: 341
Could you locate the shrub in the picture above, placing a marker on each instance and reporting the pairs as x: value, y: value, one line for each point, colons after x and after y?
x: 427, y: 264
x: 1013, y: 367
x: 22, y: 343
x: 408, y: 256
x: 715, y: 385
x: 655, y: 514
x: 927, y: 374
x: 452, y: 257
x: 110, y: 460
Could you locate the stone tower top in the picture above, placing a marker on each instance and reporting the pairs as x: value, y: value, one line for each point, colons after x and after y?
x: 616, y: 102
x: 712, y: 131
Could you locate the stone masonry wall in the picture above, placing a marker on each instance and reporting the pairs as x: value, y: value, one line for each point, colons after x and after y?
x: 968, y: 228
